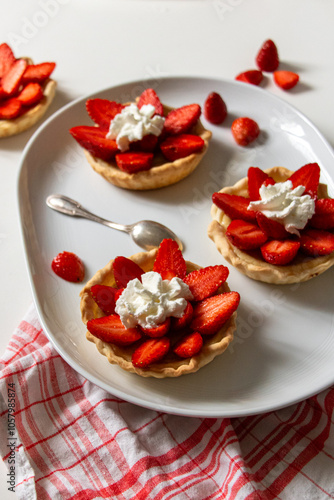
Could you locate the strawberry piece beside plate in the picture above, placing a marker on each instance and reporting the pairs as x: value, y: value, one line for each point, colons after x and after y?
x: 205, y: 282
x: 267, y: 57
x: 69, y: 267
x: 286, y: 79
x: 253, y: 76
x: 210, y: 314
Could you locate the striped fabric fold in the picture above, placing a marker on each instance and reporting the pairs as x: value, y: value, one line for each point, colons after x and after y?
x: 62, y: 437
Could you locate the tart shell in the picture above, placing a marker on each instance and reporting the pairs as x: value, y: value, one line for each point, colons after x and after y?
x: 303, y: 269
x: 171, y: 366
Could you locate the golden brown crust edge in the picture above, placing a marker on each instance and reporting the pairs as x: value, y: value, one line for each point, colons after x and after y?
x: 213, y: 346
x: 302, y: 270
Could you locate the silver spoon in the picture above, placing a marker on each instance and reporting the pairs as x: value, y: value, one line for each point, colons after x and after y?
x: 145, y: 233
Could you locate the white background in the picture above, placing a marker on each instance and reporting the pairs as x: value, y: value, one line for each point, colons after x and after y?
x: 108, y: 42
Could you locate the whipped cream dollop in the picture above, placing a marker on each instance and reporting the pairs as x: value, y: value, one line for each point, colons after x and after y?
x: 132, y: 124
x: 285, y: 204
x: 150, y: 301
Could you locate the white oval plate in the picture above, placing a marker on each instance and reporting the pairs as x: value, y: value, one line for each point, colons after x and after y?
x: 284, y: 346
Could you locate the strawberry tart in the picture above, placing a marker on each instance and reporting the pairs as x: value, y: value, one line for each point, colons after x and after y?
x: 142, y: 145
x: 157, y: 315
x: 26, y: 91
x: 276, y: 225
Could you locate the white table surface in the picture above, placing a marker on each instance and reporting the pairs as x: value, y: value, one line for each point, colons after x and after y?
x: 108, y: 42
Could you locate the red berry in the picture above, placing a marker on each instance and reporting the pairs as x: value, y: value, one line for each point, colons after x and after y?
x: 286, y: 79
x: 267, y: 57
x: 245, y: 130
x: 215, y: 110
x: 68, y: 266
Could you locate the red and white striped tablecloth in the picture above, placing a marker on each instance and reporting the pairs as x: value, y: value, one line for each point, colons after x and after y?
x: 73, y: 440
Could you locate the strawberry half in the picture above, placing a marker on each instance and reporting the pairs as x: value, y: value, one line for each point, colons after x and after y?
x: 149, y: 96
x: 105, y: 296
x: 210, y: 314
x: 169, y: 261
x: 316, y: 242
x: 147, y: 144
x: 184, y: 320
x: 267, y: 58
x: 103, y: 111
x: 38, y: 72
x: 111, y: 329
x: 132, y: 162
x: 272, y: 228
x: 245, y: 235
x: 307, y: 176
x: 205, y: 282
x: 69, y: 267
x: 235, y: 206
x: 323, y: 217
x: 32, y: 93
x: 12, y: 79
x: 10, y: 108
x: 189, y: 345
x: 256, y: 177
x: 125, y: 270
x: 150, y: 351
x: 94, y: 140
x: 245, y: 130
x: 286, y: 79
x: 215, y: 110
x: 7, y: 59
x: 181, y: 120
x: 180, y: 146
x: 157, y: 331
x: 279, y: 252
x: 253, y: 76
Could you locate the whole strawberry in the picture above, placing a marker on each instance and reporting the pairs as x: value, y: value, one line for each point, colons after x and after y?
x: 68, y: 266
x: 215, y: 110
x: 245, y: 130
x: 267, y: 57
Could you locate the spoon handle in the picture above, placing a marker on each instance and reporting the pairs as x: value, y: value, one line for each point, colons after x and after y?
x: 67, y: 206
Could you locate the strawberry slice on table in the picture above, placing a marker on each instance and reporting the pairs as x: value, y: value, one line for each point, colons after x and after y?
x: 157, y: 331
x: 316, y: 242
x: 32, y: 93
x: 94, y: 140
x: 38, y: 72
x: 286, y: 79
x: 323, y: 217
x: 149, y: 96
x: 169, y: 261
x: 307, y: 176
x: 102, y: 111
x: 235, y: 206
x: 256, y: 177
x: 253, y: 76
x: 7, y: 59
x: 181, y: 120
x: 69, y: 267
x: 272, y: 228
x: 189, y: 345
x: 215, y: 110
x: 267, y: 57
x: 180, y: 146
x: 205, y: 282
x: 111, y: 329
x: 11, y: 81
x: 126, y: 270
x: 245, y: 130
x: 184, y: 320
x: 245, y: 235
x: 150, y: 351
x: 280, y: 252
x: 210, y: 314
x: 10, y: 108
x: 105, y: 296
x: 134, y: 161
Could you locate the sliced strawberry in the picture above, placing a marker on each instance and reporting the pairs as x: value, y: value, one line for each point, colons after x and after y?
x: 169, y: 261
x: 38, y: 72
x: 189, y: 345
x: 94, y: 140
x: 205, y: 282
x: 69, y: 267
x: 316, y: 242
x: 150, y: 351
x: 32, y: 93
x: 235, y: 206
x: 10, y: 108
x: 256, y: 177
x: 149, y: 96
x: 157, y: 331
x: 105, y: 297
x: 272, y: 228
x: 147, y: 144
x: 269, y: 182
x: 267, y: 58
x: 280, y: 252
x: 210, y: 314
x: 245, y: 235
x: 215, y: 110
x: 111, y: 329
x: 134, y: 161
x: 125, y: 270
x: 245, y: 130
x: 13, y: 78
x: 180, y: 146
x: 102, y: 111
x: 184, y: 320
x: 323, y: 217
x: 307, y: 176
x: 180, y: 120
x: 286, y: 79
x: 7, y: 59
x: 253, y: 76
